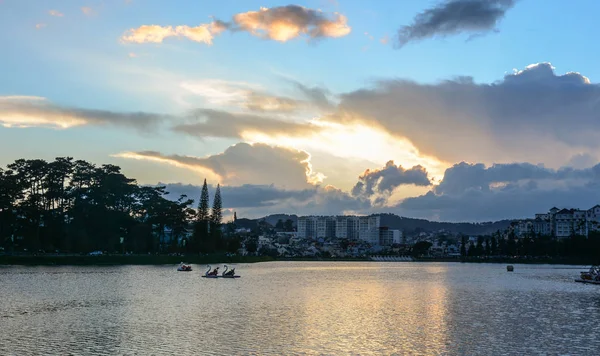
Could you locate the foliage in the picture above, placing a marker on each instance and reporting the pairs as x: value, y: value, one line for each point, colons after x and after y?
x: 251, y: 244
x: 421, y: 248
x: 75, y: 206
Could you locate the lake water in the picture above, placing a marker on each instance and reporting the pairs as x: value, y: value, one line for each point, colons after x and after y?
x: 289, y: 308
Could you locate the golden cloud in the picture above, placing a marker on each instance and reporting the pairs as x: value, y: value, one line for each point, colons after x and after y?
x: 281, y: 24
x: 156, y: 34
x: 288, y: 22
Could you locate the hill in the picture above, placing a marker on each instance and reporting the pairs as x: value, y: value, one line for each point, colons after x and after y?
x: 411, y: 225
x: 408, y: 225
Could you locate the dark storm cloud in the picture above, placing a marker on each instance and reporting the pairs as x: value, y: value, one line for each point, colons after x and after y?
x: 452, y: 17
x: 386, y: 179
x: 473, y: 192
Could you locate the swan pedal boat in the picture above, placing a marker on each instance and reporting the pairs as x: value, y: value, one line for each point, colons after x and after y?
x: 590, y: 277
x: 184, y: 268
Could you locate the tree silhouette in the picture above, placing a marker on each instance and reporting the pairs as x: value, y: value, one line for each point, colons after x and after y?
x: 217, y: 210
x: 201, y: 240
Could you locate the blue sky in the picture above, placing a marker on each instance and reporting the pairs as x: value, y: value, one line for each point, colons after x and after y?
x: 79, y: 60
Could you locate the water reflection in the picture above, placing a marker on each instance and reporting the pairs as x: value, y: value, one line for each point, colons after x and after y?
x: 299, y: 308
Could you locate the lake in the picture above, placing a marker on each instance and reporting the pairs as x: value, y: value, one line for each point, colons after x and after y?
x: 300, y: 308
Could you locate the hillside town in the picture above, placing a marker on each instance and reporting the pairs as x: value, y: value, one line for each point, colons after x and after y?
x: 365, y: 236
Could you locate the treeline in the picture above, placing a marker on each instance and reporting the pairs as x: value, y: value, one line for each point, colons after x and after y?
x: 75, y: 206
x: 576, y: 246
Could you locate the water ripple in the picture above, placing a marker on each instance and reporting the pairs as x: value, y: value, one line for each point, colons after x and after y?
x: 299, y: 309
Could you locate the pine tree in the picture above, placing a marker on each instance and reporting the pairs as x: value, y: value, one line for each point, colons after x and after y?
x: 203, y: 214
x: 217, y: 209
x: 201, y: 236
x: 216, y: 241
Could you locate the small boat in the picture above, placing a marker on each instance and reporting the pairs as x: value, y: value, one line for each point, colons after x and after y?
x: 229, y: 274
x: 510, y: 268
x: 592, y: 276
x: 211, y: 274
x: 184, y: 268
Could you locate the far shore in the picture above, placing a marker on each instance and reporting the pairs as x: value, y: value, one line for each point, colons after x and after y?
x: 111, y: 260
x: 108, y: 260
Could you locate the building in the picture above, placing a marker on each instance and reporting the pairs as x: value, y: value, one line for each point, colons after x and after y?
x: 542, y: 224
x: 569, y: 222
x: 368, y: 229
x: 592, y: 219
x: 564, y: 223
x: 388, y: 237
x: 365, y: 228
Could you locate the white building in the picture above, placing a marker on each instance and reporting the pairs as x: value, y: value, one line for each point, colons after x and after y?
x: 365, y: 228
x: 567, y: 222
x: 592, y: 219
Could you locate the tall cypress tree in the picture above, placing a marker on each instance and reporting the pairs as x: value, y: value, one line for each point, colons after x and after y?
x: 215, y: 221
x: 201, y: 235
x: 217, y: 209
x: 203, y: 213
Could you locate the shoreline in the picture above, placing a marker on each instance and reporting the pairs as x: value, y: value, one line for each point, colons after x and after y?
x: 122, y: 260
x: 116, y: 260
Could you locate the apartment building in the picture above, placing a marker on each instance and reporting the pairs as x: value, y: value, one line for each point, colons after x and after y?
x: 563, y: 223
x: 366, y: 228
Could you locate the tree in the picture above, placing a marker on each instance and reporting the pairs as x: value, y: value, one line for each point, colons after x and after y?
x: 201, y: 238
x: 421, y: 248
x: 251, y: 244
x: 488, y: 247
x: 463, y: 246
x: 78, y: 206
x: 279, y: 224
x: 494, y: 248
x: 288, y: 226
x: 203, y: 213
x: 216, y: 218
x: 472, y: 251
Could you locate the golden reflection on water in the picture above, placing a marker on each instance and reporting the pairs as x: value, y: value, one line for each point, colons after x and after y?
x: 376, y: 313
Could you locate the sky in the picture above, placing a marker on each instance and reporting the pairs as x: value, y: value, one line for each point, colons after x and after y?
x: 455, y: 110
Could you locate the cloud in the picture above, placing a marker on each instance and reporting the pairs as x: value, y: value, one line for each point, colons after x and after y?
x: 385, y: 180
x: 453, y: 17
x: 268, y: 103
x: 279, y: 23
x: 30, y: 111
x: 203, y: 33
x: 244, y: 163
x: 87, y: 10
x: 284, y: 23
x: 516, y: 118
x: 56, y: 13
x: 216, y: 123
x: 474, y: 192
x: 256, y: 200
x: 253, y: 97
x: 243, y: 196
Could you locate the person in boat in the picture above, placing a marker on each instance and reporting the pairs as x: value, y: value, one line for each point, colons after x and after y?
x: 214, y: 272
x: 230, y: 273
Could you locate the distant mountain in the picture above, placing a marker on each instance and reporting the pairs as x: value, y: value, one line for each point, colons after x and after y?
x: 243, y: 223
x: 408, y: 225
x: 411, y: 225
x: 272, y: 219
